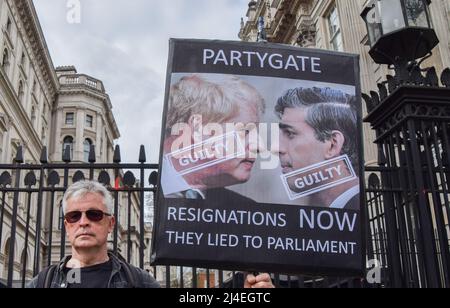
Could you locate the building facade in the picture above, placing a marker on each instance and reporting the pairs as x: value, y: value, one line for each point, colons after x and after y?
x: 43, y: 106
x: 337, y: 25
x: 83, y: 118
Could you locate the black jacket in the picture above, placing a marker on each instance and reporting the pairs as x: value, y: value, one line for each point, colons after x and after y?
x: 226, y: 198
x: 118, y: 278
x: 354, y: 203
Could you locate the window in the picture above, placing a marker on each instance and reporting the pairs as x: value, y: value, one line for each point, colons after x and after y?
x: 87, y: 149
x: 44, y: 111
x: 6, y: 257
x: 14, y: 148
x: 34, y: 87
x: 20, y: 92
x: 8, y: 26
x: 33, y: 115
x: 89, y: 121
x: 70, y: 118
x: 335, y: 30
x: 23, y: 60
x: 68, y: 142
x: 43, y: 135
x: 24, y: 260
x: 5, y: 59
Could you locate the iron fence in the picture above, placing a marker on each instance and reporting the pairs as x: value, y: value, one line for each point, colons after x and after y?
x: 31, y: 218
x: 31, y: 225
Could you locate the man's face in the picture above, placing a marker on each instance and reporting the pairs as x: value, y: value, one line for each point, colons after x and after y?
x: 238, y: 170
x: 86, y: 234
x: 299, y: 147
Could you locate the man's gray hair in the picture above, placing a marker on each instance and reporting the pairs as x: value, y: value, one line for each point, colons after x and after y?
x: 217, y: 98
x: 82, y: 188
x: 326, y: 110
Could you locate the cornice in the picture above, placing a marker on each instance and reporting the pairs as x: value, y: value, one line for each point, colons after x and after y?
x: 84, y: 90
x: 89, y: 92
x: 38, y: 46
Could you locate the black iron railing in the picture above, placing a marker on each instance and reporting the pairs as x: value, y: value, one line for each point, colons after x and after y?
x: 32, y: 234
x: 31, y: 215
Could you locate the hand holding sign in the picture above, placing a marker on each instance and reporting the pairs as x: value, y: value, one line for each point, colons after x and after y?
x: 261, y: 281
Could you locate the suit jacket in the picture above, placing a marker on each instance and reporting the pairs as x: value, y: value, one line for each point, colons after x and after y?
x: 353, y: 203
x: 226, y: 197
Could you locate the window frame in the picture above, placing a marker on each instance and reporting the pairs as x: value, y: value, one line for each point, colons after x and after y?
x: 34, y: 87
x: 334, y: 36
x: 23, y: 59
x: 21, y: 91
x: 64, y: 144
x: 89, y: 122
x: 44, y: 134
x: 67, y: 120
x: 5, y: 58
x: 86, y: 151
x: 8, y: 26
x: 33, y: 116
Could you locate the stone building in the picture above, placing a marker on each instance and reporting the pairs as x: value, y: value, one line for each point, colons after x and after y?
x: 83, y: 118
x: 337, y: 25
x: 43, y: 106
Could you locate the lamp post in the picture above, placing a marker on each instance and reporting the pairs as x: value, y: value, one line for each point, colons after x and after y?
x: 399, y: 30
x: 411, y: 118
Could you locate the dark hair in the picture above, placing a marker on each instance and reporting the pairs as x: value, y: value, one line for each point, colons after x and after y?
x: 327, y: 110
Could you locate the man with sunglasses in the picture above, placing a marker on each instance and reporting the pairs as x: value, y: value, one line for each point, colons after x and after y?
x: 88, y: 208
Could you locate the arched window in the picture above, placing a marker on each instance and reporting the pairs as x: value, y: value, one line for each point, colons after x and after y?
x: 335, y: 30
x: 87, y: 148
x: 23, y: 60
x: 68, y: 141
x: 44, y: 135
x: 5, y: 59
x: 20, y: 92
x: 6, y: 255
x: 34, y: 87
x: 24, y: 259
x: 8, y: 26
x: 33, y: 116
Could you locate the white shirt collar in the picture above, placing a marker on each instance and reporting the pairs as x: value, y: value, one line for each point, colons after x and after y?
x: 341, y: 201
x: 173, y: 183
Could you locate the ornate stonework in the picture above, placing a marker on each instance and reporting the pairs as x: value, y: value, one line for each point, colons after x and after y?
x: 307, y: 34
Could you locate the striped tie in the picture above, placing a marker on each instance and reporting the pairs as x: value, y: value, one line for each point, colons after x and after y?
x: 192, y: 194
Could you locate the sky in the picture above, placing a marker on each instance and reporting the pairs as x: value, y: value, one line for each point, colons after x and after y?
x: 124, y: 43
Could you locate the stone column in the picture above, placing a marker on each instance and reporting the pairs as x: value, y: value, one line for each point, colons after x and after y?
x: 98, y: 136
x: 58, y: 141
x: 79, y: 136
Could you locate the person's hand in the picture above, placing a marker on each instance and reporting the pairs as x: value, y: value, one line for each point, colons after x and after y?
x: 262, y: 281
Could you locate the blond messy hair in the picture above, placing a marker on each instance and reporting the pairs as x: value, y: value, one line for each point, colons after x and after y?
x: 215, y: 99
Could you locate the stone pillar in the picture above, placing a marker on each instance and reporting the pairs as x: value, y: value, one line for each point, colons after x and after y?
x: 98, y: 136
x: 79, y: 136
x: 58, y: 142
x: 307, y: 35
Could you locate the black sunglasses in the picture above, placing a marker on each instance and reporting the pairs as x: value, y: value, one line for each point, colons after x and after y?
x: 92, y: 215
